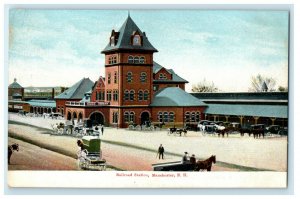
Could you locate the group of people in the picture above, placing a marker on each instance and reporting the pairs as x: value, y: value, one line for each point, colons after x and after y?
x: 185, y: 159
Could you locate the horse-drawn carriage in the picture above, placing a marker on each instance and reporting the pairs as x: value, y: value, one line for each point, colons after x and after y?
x: 177, y: 131
x: 200, y: 165
x: 146, y: 126
x: 93, y: 159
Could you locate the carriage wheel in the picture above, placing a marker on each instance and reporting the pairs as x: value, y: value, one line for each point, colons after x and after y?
x: 151, y: 128
x: 138, y: 127
x: 131, y: 127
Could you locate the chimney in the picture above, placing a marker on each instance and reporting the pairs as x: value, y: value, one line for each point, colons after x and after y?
x: 53, y: 93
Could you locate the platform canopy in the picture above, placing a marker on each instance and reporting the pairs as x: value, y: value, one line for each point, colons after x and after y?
x: 276, y: 111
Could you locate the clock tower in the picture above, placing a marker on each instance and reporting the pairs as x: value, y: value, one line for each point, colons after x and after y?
x: 129, y: 69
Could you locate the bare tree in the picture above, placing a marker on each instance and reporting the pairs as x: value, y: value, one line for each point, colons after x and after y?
x: 260, y: 83
x: 204, y: 86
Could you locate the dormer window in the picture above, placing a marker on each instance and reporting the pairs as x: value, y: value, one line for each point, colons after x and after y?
x: 136, y: 40
x: 162, y: 76
x: 112, y: 41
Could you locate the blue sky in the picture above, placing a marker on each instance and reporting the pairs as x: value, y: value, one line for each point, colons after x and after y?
x: 59, y: 47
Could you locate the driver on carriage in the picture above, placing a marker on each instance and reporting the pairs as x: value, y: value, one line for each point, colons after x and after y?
x: 185, y: 158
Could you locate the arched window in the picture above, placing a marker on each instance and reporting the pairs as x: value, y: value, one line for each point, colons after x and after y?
x: 130, y: 59
x: 162, y: 76
x: 97, y: 95
x: 136, y: 60
x: 197, y: 116
x: 146, y: 94
x: 101, y: 95
x: 131, y: 95
x: 126, y: 95
x: 171, y: 117
x: 193, y: 117
x: 108, y: 95
x: 126, y: 117
x: 115, y: 95
x: 187, y: 117
x: 115, y: 117
x: 142, y: 60
x: 166, y: 117
x: 159, y: 117
x: 131, y: 117
x: 129, y: 77
x: 143, y: 77
x: 141, y: 95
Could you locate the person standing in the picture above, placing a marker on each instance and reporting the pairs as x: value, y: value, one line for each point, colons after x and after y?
x: 161, y: 151
x: 81, y: 154
x: 102, y: 129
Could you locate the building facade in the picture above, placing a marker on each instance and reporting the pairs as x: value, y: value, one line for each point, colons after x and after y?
x: 135, y: 88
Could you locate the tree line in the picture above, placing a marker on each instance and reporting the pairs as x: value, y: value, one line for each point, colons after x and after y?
x: 259, y: 83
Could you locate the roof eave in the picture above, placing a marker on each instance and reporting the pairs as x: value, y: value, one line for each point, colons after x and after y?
x: 128, y: 49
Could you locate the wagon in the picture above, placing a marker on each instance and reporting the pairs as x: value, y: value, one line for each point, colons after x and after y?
x: 173, y: 166
x: 93, y: 160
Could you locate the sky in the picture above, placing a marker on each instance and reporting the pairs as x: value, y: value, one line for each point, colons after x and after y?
x: 226, y: 47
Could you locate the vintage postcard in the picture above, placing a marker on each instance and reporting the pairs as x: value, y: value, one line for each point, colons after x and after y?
x: 148, y: 98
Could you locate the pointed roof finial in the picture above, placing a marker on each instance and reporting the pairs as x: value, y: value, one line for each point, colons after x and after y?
x: 128, y: 13
x: 15, y: 79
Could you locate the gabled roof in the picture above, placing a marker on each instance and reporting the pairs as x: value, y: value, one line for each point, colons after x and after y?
x: 175, y: 78
x: 174, y: 96
x: 15, y: 84
x: 124, y: 35
x: 78, y: 90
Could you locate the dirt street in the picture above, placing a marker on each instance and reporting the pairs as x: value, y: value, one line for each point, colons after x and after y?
x: 234, y: 150
x: 31, y: 157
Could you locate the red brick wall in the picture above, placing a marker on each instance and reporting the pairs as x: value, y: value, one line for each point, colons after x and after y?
x: 136, y: 85
x: 178, y: 111
x: 162, y: 85
x: 12, y: 91
x: 61, y: 103
x: 100, y: 86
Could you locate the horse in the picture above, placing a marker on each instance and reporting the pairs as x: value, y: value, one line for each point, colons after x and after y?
x: 177, y: 131
x: 201, y: 127
x: 222, y: 132
x: 205, y: 164
x: 245, y: 130
x: 258, y: 132
x: 11, y: 148
x: 58, y: 128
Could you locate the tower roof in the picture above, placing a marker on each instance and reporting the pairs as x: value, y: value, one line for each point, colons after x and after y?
x: 123, y: 40
x: 15, y: 84
x: 78, y: 90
